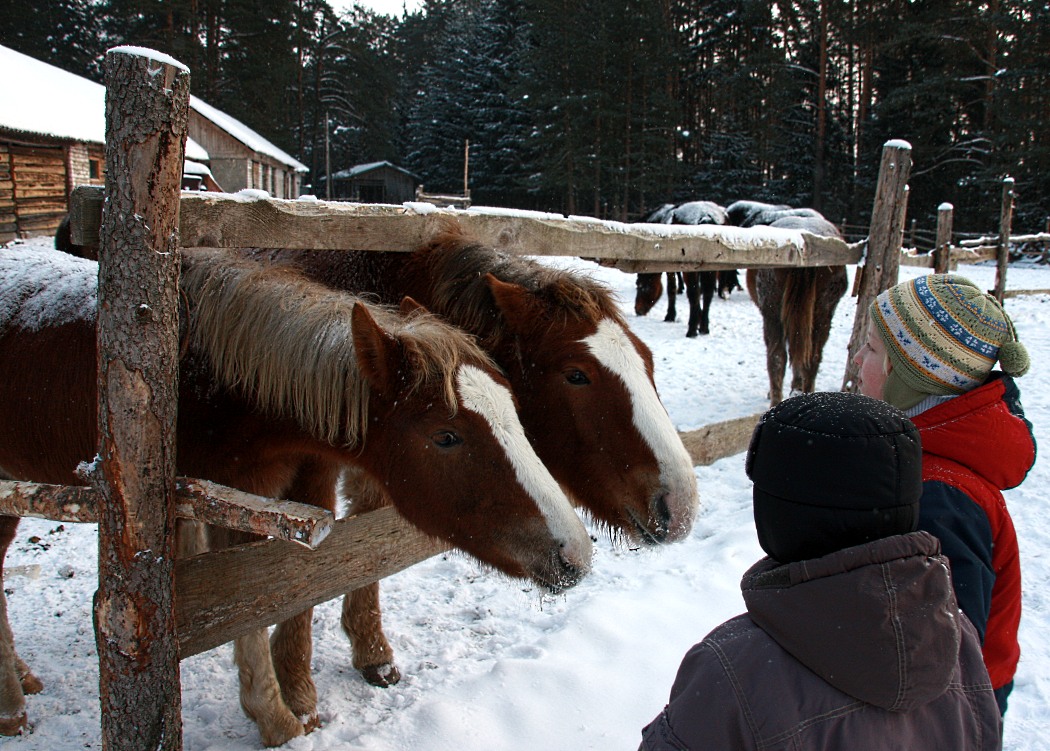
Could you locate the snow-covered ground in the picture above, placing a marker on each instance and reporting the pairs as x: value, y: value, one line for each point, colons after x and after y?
x: 489, y: 663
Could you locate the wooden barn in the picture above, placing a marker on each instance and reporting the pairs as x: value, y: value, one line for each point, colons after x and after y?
x: 240, y: 158
x: 375, y: 182
x: 52, y: 139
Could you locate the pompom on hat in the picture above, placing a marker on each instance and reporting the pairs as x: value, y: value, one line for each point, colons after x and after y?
x: 943, y: 335
x: 831, y: 471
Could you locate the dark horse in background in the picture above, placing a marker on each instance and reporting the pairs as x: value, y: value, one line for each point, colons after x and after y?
x: 797, y: 304
x: 700, y: 286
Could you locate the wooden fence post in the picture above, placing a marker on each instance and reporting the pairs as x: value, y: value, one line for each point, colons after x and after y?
x: 1006, y: 218
x: 147, y: 106
x: 885, y: 238
x: 942, y: 254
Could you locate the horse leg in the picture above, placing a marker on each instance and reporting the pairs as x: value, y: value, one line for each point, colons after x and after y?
x: 260, y: 693
x: 362, y: 619
x: 292, y: 644
x: 832, y: 283
x: 692, y: 294
x: 15, y: 678
x: 672, y: 294
x: 708, y: 282
x: 766, y: 288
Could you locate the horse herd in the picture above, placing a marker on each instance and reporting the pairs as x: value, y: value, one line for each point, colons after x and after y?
x: 485, y: 396
x: 797, y: 305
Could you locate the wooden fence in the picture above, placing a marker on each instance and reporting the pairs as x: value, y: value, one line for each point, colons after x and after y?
x: 176, y: 609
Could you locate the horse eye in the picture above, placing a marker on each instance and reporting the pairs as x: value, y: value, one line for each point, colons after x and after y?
x: 446, y: 439
x: 577, y: 378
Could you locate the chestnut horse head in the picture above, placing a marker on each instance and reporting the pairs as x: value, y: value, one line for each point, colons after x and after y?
x: 583, y: 380
x: 648, y: 289
x: 404, y: 395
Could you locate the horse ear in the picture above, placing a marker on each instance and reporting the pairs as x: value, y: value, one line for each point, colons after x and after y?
x: 515, y: 302
x: 378, y: 353
x: 410, y: 305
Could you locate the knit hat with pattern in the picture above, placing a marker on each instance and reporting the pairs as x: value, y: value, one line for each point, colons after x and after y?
x: 943, y: 335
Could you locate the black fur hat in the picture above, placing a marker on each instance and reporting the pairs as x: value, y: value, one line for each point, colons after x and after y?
x: 833, y: 470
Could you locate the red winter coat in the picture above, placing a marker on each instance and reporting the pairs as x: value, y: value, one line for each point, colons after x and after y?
x: 974, y: 446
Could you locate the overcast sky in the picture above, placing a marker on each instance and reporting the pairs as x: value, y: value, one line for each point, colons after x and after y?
x: 388, y: 7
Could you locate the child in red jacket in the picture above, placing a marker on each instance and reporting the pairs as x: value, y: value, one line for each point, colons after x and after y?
x: 930, y: 351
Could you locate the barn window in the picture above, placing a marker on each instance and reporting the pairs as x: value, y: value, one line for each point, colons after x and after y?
x: 94, y: 168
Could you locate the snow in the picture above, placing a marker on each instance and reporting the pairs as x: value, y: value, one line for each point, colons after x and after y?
x: 489, y: 663
x: 146, y: 52
x: 44, y: 100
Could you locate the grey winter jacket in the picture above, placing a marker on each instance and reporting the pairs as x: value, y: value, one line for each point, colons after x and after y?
x: 861, y: 650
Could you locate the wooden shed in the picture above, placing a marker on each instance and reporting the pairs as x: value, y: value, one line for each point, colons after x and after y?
x: 375, y: 182
x: 52, y: 139
x: 240, y: 158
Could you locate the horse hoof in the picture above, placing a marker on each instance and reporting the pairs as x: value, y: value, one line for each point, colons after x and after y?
x: 691, y: 334
x: 282, y: 730
x: 383, y: 676
x: 669, y: 319
x: 14, y: 725
x: 31, y: 684
x: 311, y: 723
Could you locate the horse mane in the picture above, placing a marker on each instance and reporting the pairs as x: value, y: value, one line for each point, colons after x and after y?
x: 453, y: 266
x: 286, y: 344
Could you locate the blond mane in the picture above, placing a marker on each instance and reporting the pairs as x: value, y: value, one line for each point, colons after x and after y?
x: 285, y: 343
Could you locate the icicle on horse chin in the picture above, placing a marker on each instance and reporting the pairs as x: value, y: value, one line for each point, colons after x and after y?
x: 285, y: 383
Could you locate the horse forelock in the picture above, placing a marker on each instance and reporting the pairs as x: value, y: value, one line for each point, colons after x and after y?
x: 286, y: 343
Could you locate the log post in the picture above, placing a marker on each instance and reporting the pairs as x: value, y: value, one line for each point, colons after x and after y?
x: 147, y: 106
x: 885, y: 239
x: 1006, y: 218
x: 942, y: 254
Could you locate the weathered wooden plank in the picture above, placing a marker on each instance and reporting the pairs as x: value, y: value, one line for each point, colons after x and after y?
x: 226, y: 594
x: 223, y: 221
x: 719, y: 440
x: 199, y: 500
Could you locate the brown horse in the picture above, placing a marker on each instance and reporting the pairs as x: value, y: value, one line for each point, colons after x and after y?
x: 284, y: 383
x: 797, y: 306
x: 583, y: 379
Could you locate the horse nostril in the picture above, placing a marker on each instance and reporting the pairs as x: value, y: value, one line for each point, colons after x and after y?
x: 661, y: 515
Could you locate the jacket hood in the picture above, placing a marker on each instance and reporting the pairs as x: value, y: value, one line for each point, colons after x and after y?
x: 984, y: 430
x: 877, y: 621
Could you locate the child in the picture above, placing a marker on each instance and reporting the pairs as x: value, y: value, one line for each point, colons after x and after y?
x: 930, y: 351
x: 852, y: 636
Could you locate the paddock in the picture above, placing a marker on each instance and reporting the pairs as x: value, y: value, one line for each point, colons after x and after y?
x: 209, y: 605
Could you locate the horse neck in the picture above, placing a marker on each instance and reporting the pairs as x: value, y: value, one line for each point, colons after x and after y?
x: 283, y: 344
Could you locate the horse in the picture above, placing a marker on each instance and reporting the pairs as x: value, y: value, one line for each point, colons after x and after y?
x: 700, y: 286
x: 797, y: 306
x: 584, y: 383
x: 283, y: 383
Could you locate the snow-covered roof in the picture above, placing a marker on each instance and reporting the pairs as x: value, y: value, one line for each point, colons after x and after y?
x: 360, y: 169
x: 244, y: 134
x: 40, y: 99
